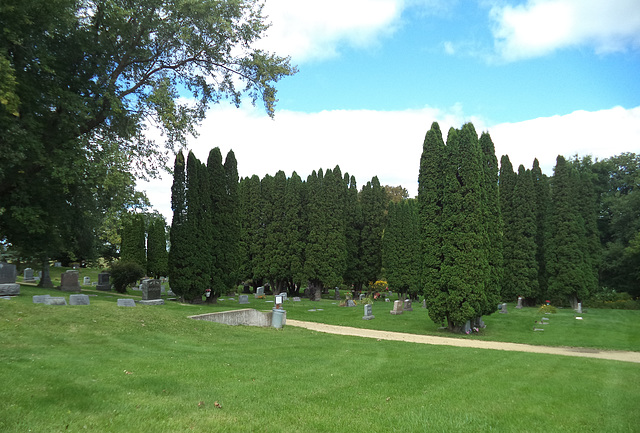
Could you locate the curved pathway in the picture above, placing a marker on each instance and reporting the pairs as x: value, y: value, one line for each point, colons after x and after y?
x: 584, y: 352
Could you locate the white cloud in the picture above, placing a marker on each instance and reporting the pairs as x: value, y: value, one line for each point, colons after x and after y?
x: 388, y: 144
x: 539, y: 27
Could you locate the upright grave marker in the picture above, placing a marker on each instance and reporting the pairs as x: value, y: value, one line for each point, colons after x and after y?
x: 8, y: 285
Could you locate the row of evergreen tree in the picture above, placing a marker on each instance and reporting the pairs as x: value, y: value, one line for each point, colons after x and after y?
x: 144, y: 241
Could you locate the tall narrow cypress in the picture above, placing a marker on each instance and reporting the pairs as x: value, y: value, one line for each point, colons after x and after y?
x: 373, y: 201
x: 232, y: 224
x: 507, y: 186
x: 541, y: 190
x: 216, y: 177
x: 179, y: 264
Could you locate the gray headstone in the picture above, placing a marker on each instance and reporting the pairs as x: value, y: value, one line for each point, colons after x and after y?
x: 57, y: 265
x: 28, y: 275
x: 259, y: 291
x: 407, y: 305
x: 503, y: 308
x: 39, y: 299
x: 69, y: 281
x: 368, y: 309
x: 150, y: 289
x: 579, y: 309
x: 296, y: 299
x: 86, y: 281
x: 336, y: 294
x: 424, y: 303
x: 243, y: 299
x: 9, y: 289
x: 7, y: 273
x: 152, y: 302
x: 126, y: 302
x: 103, y: 282
x: 397, y: 308
x: 350, y: 303
x: 519, y: 306
x: 55, y: 300
x: 78, y: 300
x: 361, y: 297
x: 467, y: 327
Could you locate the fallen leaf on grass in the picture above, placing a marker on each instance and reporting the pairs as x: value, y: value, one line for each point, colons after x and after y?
x: 128, y: 372
x: 218, y: 405
x: 201, y: 404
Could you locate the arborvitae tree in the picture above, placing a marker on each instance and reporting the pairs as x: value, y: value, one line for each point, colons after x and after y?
x: 521, y: 272
x: 373, y: 201
x: 541, y: 189
x: 353, y: 217
x: 251, y: 234
x: 133, y: 247
x: 507, y: 184
x: 198, y: 225
x: 294, y: 231
x: 567, y: 262
x: 430, y: 201
x: 274, y: 193
x: 157, y: 255
x: 217, y: 195
x: 179, y: 253
x: 326, y: 244
x: 465, y: 268
x: 493, y: 218
x: 232, y: 224
x: 401, y: 248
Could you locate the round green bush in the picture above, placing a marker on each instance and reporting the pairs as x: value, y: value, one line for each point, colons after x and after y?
x: 124, y: 274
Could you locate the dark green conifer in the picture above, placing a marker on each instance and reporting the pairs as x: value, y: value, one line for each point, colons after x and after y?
x: 179, y: 258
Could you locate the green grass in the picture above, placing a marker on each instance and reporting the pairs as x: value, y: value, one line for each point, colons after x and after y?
x: 65, y: 369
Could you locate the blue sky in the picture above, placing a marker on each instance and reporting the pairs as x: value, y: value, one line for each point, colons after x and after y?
x: 544, y: 77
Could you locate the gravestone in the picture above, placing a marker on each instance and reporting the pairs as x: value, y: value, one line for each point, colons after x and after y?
x: 55, y: 300
x: 579, y: 309
x: 503, y: 308
x: 28, y: 275
x: 39, y: 299
x: 8, y: 285
x: 467, y: 327
x: 336, y: 294
x: 397, y: 308
x: 424, y: 303
x: 243, y: 299
x: 86, y: 281
x: 350, y: 303
x: 284, y: 296
x: 127, y: 302
x: 387, y: 300
x: 103, y: 282
x: 259, y: 292
x: 151, y: 292
x: 407, y: 305
x: 78, y: 300
x: 69, y: 281
x: 296, y: 299
x: 368, y: 308
x: 57, y: 265
x: 361, y: 297
x: 519, y: 306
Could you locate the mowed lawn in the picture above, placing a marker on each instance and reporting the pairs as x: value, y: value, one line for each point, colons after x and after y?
x: 105, y: 368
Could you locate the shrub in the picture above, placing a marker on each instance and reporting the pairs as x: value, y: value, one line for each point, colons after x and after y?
x: 124, y: 274
x: 547, y: 309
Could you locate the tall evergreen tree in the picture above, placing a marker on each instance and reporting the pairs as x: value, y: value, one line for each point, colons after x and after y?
x: 179, y: 252
x: 373, y: 202
x: 401, y: 247
x: 354, y: 274
x: 541, y: 189
x: 274, y: 193
x: 252, y: 229
x: 231, y: 233
x: 567, y: 262
x: 217, y: 196
x: 294, y: 240
x: 493, y: 218
x: 157, y: 255
x: 522, y: 268
x: 133, y: 247
x: 507, y: 184
x: 431, y: 181
x: 465, y: 268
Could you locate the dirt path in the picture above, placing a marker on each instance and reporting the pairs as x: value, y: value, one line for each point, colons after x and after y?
x: 459, y: 342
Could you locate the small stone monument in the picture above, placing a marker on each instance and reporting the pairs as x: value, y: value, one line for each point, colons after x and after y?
x: 284, y: 296
x: 350, y: 303
x: 296, y: 299
x: 336, y: 294
x: 361, y: 297
x: 243, y: 299
x: 86, y: 281
x: 151, y: 292
x: 39, y: 299
x: 397, y: 307
x: 368, y: 308
x: 467, y: 327
x: 103, y: 282
x: 519, y: 306
x: 259, y: 292
x: 55, y: 300
x: 8, y: 285
x: 579, y: 309
x: 126, y: 302
x: 28, y: 276
x: 503, y: 308
x: 69, y: 281
x: 57, y: 265
x: 407, y: 305
x: 78, y: 300
x: 424, y: 303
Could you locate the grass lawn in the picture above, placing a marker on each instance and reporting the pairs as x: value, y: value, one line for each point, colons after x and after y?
x: 151, y: 369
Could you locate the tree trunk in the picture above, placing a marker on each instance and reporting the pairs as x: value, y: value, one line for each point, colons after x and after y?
x: 45, y: 281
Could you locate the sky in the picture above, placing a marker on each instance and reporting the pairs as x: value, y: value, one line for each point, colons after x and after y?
x: 543, y: 77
